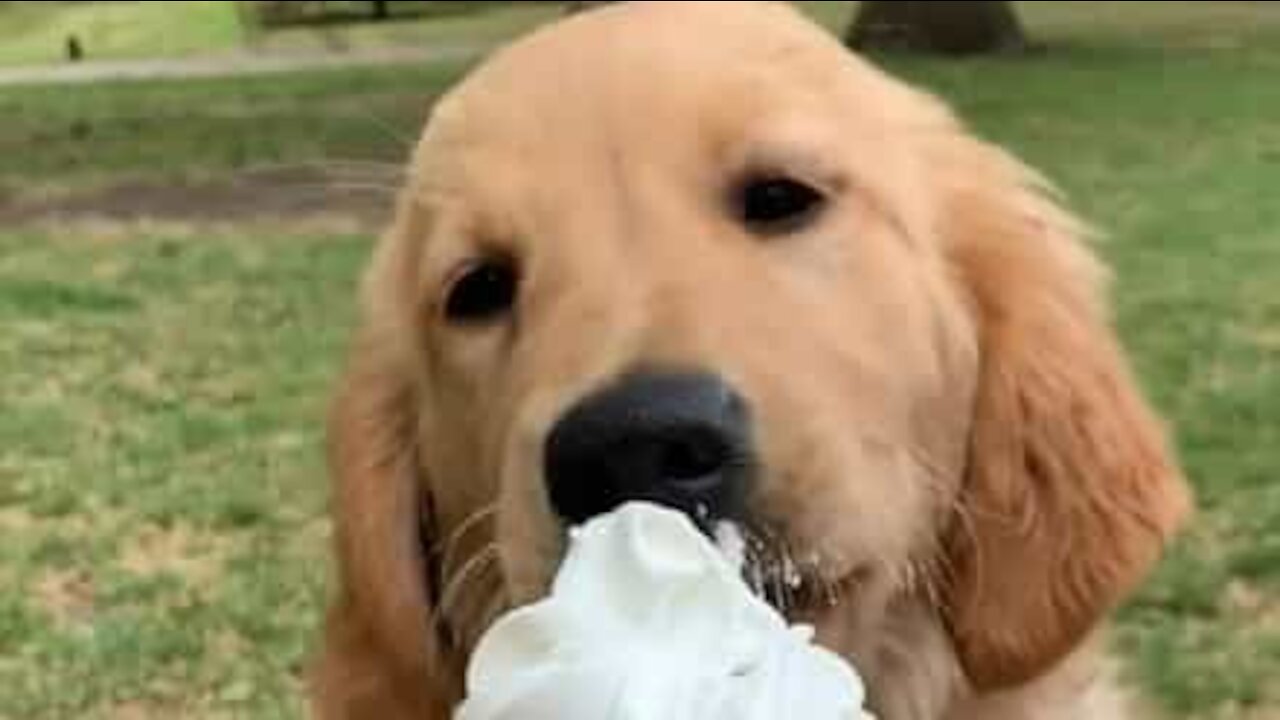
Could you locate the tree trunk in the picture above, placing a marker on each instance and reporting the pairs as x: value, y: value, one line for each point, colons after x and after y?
x: 381, y: 9
x: 573, y: 7
x: 951, y: 28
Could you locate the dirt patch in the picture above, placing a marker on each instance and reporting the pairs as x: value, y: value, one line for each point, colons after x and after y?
x: 198, y: 560
x: 273, y: 195
x: 142, y: 710
x: 66, y: 595
x: 1265, y: 338
x: 16, y: 520
x: 1252, y: 605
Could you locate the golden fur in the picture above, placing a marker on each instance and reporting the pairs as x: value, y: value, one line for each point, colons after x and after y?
x: 948, y: 431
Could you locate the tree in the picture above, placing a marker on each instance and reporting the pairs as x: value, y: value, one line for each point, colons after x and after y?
x: 573, y: 7
x: 953, y: 28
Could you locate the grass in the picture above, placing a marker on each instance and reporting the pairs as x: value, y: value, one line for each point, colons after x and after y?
x: 160, y: 469
x: 36, y: 32
x: 161, y: 488
x: 96, y: 133
x: 211, y: 127
x: 479, y: 23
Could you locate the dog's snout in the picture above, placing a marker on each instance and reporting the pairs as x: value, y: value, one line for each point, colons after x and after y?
x: 676, y: 439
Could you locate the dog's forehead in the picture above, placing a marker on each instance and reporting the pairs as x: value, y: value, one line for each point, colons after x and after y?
x: 639, y: 60
x: 656, y: 98
x: 668, y: 71
x: 660, y: 35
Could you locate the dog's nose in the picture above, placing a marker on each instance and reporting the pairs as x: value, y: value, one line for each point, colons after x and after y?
x: 676, y: 439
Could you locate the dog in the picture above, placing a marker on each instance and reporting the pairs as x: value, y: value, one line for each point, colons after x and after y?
x: 699, y: 254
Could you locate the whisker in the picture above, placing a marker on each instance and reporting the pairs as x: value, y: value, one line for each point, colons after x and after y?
x: 789, y: 574
x: 753, y: 572
x: 784, y: 577
x: 305, y: 191
x: 318, y: 190
x: 816, y: 582
x: 497, y: 604
x: 905, y: 576
x: 964, y: 526
x: 775, y: 589
x: 830, y: 590
x: 400, y: 137
x: 930, y: 587
x: 931, y: 573
x: 761, y: 558
x: 445, y: 546
x: 482, y: 560
x: 363, y: 165
x: 328, y: 163
x: 389, y: 191
x: 330, y: 175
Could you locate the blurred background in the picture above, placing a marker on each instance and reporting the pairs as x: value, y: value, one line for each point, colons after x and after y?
x: 189, y: 189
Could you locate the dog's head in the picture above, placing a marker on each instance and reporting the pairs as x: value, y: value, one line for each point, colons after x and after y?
x: 697, y: 253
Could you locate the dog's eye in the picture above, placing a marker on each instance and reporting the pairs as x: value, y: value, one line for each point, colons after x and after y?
x: 776, y: 204
x: 482, y: 291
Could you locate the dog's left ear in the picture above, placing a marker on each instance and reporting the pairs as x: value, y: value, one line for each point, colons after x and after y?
x: 384, y: 654
x: 1071, y: 489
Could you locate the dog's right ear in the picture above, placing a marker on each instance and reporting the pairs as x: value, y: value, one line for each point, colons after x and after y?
x: 383, y: 655
x: 1072, y: 490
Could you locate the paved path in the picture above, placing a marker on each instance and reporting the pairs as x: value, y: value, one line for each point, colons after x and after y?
x: 224, y: 65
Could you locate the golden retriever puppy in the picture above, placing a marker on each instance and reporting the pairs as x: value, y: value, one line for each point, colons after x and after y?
x: 698, y: 254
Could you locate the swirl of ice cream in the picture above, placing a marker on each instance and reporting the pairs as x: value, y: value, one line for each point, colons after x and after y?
x: 648, y: 620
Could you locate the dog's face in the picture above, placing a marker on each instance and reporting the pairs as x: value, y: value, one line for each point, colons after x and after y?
x: 600, y: 240
x: 697, y: 254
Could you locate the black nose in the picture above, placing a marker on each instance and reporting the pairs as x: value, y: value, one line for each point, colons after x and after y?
x: 676, y: 439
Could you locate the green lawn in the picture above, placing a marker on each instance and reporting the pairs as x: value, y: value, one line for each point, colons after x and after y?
x: 33, y: 33
x: 100, y: 133
x: 36, y: 32
x: 161, y: 488
x: 477, y: 23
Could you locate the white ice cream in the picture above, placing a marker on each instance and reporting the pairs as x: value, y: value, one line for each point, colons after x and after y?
x: 647, y: 620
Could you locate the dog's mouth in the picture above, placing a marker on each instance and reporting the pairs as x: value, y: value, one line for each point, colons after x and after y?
x: 801, y: 585
x: 797, y: 583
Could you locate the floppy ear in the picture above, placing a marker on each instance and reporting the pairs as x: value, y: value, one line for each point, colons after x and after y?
x: 383, y: 656
x: 1070, y: 490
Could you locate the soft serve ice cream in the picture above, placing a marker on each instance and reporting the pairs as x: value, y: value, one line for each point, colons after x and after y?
x: 648, y: 620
